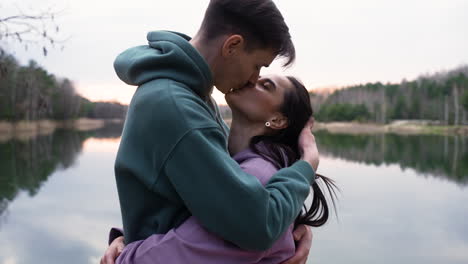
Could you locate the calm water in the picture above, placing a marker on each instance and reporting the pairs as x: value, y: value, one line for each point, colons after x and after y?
x: 404, y: 199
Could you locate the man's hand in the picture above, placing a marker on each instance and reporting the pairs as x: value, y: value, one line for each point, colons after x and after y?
x: 303, y: 237
x: 113, y: 251
x: 307, y: 145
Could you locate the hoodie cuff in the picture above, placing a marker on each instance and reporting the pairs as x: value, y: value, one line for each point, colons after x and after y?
x: 304, y: 168
x: 114, y: 233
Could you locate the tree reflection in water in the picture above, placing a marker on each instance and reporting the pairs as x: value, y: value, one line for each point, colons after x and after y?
x: 434, y: 155
x: 26, y: 165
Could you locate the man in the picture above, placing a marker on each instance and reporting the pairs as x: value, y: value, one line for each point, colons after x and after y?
x: 173, y: 160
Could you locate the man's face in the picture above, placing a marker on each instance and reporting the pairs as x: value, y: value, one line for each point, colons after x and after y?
x: 243, y: 69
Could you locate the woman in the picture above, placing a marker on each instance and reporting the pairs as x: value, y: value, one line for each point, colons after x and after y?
x: 266, y: 122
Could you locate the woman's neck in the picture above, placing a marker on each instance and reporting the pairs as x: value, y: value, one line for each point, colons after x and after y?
x: 240, y: 134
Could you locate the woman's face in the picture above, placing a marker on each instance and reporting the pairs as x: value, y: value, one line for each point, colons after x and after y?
x: 261, y: 102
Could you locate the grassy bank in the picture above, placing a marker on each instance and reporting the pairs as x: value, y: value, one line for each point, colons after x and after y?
x: 25, y: 130
x: 402, y: 127
x: 398, y: 127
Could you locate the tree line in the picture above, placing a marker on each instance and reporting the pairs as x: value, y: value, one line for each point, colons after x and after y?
x: 441, y: 97
x: 31, y: 93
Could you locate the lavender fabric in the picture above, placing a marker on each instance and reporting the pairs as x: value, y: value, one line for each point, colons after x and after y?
x: 191, y: 243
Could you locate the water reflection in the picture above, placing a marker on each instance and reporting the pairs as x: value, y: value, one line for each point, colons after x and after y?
x: 386, y: 215
x: 26, y: 165
x: 439, y: 156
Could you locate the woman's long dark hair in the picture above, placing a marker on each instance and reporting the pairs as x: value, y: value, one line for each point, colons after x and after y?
x: 282, y: 150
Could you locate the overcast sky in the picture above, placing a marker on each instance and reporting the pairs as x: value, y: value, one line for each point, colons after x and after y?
x: 338, y: 42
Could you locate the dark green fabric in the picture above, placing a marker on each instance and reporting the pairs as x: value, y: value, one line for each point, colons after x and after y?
x: 173, y: 160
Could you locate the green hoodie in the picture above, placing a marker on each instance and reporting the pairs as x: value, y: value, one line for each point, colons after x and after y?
x: 173, y: 160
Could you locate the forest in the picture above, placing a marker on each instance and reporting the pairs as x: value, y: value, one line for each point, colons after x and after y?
x: 31, y: 93
x: 440, y: 98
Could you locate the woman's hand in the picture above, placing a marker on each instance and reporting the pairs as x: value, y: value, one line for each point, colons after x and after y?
x: 307, y: 145
x: 113, y: 251
x: 303, y: 236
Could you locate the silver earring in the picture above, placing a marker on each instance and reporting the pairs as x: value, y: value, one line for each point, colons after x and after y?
x: 267, y: 124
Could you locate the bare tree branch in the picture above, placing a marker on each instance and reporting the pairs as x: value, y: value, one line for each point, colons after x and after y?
x: 38, y: 28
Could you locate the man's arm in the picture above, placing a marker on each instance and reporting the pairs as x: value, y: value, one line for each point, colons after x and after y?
x: 226, y: 200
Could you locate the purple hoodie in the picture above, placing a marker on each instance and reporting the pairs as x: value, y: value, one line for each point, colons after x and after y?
x: 191, y: 243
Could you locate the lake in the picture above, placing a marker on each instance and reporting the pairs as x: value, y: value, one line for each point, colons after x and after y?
x: 403, y: 199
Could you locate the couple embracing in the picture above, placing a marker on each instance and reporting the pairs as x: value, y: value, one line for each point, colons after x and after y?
x: 191, y: 189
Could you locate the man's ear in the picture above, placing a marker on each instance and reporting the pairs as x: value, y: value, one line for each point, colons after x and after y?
x: 232, y: 45
x: 278, y: 121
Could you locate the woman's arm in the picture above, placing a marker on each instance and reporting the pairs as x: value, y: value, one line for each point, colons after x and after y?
x: 302, y: 235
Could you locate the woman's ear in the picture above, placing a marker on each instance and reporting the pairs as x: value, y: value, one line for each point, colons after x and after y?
x: 278, y: 121
x: 232, y: 44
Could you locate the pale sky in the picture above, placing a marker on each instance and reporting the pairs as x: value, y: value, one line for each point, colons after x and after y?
x: 338, y: 42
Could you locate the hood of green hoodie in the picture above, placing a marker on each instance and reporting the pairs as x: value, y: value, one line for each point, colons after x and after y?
x: 168, y: 55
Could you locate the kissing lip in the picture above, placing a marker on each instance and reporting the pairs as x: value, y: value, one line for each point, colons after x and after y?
x: 247, y: 85
x: 233, y: 90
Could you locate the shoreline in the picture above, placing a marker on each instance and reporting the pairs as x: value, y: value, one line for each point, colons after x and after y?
x: 401, y: 127
x: 26, y: 130
x: 397, y: 127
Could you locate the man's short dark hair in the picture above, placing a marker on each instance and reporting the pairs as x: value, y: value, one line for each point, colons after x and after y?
x: 258, y: 21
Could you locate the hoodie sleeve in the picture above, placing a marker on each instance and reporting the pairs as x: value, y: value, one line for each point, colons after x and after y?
x: 230, y: 202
